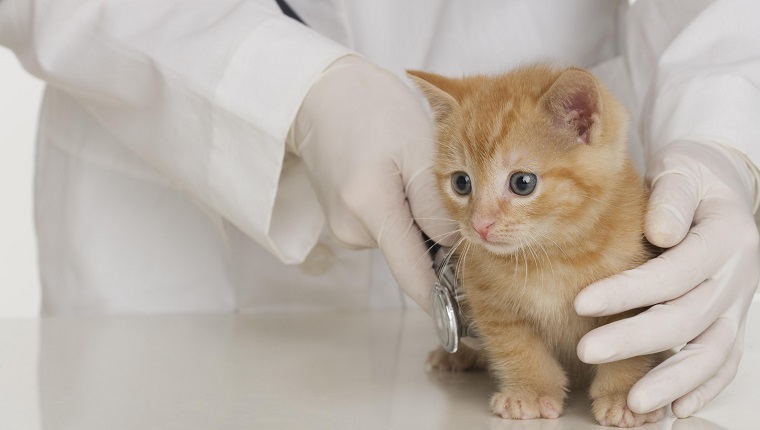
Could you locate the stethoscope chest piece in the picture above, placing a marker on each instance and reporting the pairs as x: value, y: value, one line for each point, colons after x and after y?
x: 446, y: 312
x: 446, y: 321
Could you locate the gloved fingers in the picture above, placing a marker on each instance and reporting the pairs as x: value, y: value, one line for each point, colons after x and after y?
x: 405, y: 252
x: 659, y: 328
x: 670, y: 211
x: 666, y: 277
x: 693, y: 401
x: 699, y: 361
x: 377, y: 214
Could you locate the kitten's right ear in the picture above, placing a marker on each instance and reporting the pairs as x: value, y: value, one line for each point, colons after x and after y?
x: 574, y: 102
x: 439, y: 90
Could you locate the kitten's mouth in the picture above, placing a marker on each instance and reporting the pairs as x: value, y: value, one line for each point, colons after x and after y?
x: 498, y: 245
x: 501, y: 248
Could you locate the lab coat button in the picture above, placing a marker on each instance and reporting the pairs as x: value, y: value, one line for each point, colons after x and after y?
x: 319, y: 260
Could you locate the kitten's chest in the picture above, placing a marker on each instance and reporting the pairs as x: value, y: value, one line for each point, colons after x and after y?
x: 544, y: 299
x: 542, y: 296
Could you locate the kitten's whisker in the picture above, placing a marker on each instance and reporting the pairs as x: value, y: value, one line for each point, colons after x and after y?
x: 466, y: 250
x: 436, y: 223
x: 536, y: 259
x: 516, y: 258
x: 435, y: 218
x: 436, y: 237
x: 424, y: 254
x: 532, y: 241
x: 556, y: 245
x: 459, y: 269
x: 427, y: 251
x: 541, y: 247
x: 451, y: 252
x: 532, y: 251
x: 444, y: 224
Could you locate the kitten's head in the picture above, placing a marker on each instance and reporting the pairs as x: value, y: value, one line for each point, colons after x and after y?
x: 527, y: 158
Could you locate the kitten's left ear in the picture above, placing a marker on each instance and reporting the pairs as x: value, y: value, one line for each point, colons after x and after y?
x: 440, y: 91
x: 574, y: 103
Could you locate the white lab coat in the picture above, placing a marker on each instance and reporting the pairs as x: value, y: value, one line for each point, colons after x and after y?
x: 163, y: 183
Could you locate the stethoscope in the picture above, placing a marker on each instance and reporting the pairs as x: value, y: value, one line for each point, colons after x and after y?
x: 450, y: 321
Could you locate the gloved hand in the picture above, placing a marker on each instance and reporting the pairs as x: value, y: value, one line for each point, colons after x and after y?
x: 367, y: 143
x: 701, y: 208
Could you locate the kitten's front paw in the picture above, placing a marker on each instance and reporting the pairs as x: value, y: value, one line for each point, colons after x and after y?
x: 523, y: 405
x: 462, y: 360
x: 612, y: 410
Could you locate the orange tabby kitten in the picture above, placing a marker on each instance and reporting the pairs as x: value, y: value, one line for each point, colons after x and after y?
x: 533, y: 166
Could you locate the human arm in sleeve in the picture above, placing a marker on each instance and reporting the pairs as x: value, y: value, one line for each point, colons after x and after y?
x: 206, y: 92
x: 213, y: 94
x: 695, y: 67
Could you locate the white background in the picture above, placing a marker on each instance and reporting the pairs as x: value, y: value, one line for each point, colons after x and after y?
x: 19, y: 105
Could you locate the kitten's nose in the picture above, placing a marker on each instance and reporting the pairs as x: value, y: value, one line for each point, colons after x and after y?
x: 482, y: 226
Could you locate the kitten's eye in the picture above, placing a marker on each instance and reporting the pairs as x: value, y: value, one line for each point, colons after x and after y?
x: 522, y: 183
x: 461, y: 184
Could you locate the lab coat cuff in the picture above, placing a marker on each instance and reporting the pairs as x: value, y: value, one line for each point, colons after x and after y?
x: 248, y: 173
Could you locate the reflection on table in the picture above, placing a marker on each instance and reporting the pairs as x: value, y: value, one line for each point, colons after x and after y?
x: 337, y: 370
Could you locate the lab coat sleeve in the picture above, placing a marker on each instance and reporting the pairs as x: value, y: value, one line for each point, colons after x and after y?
x: 205, y: 91
x: 695, y: 68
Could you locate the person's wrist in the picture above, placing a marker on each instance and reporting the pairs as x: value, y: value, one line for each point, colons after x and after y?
x: 337, y: 84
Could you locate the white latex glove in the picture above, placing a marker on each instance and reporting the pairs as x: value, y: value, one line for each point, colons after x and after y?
x: 701, y: 208
x: 367, y: 143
